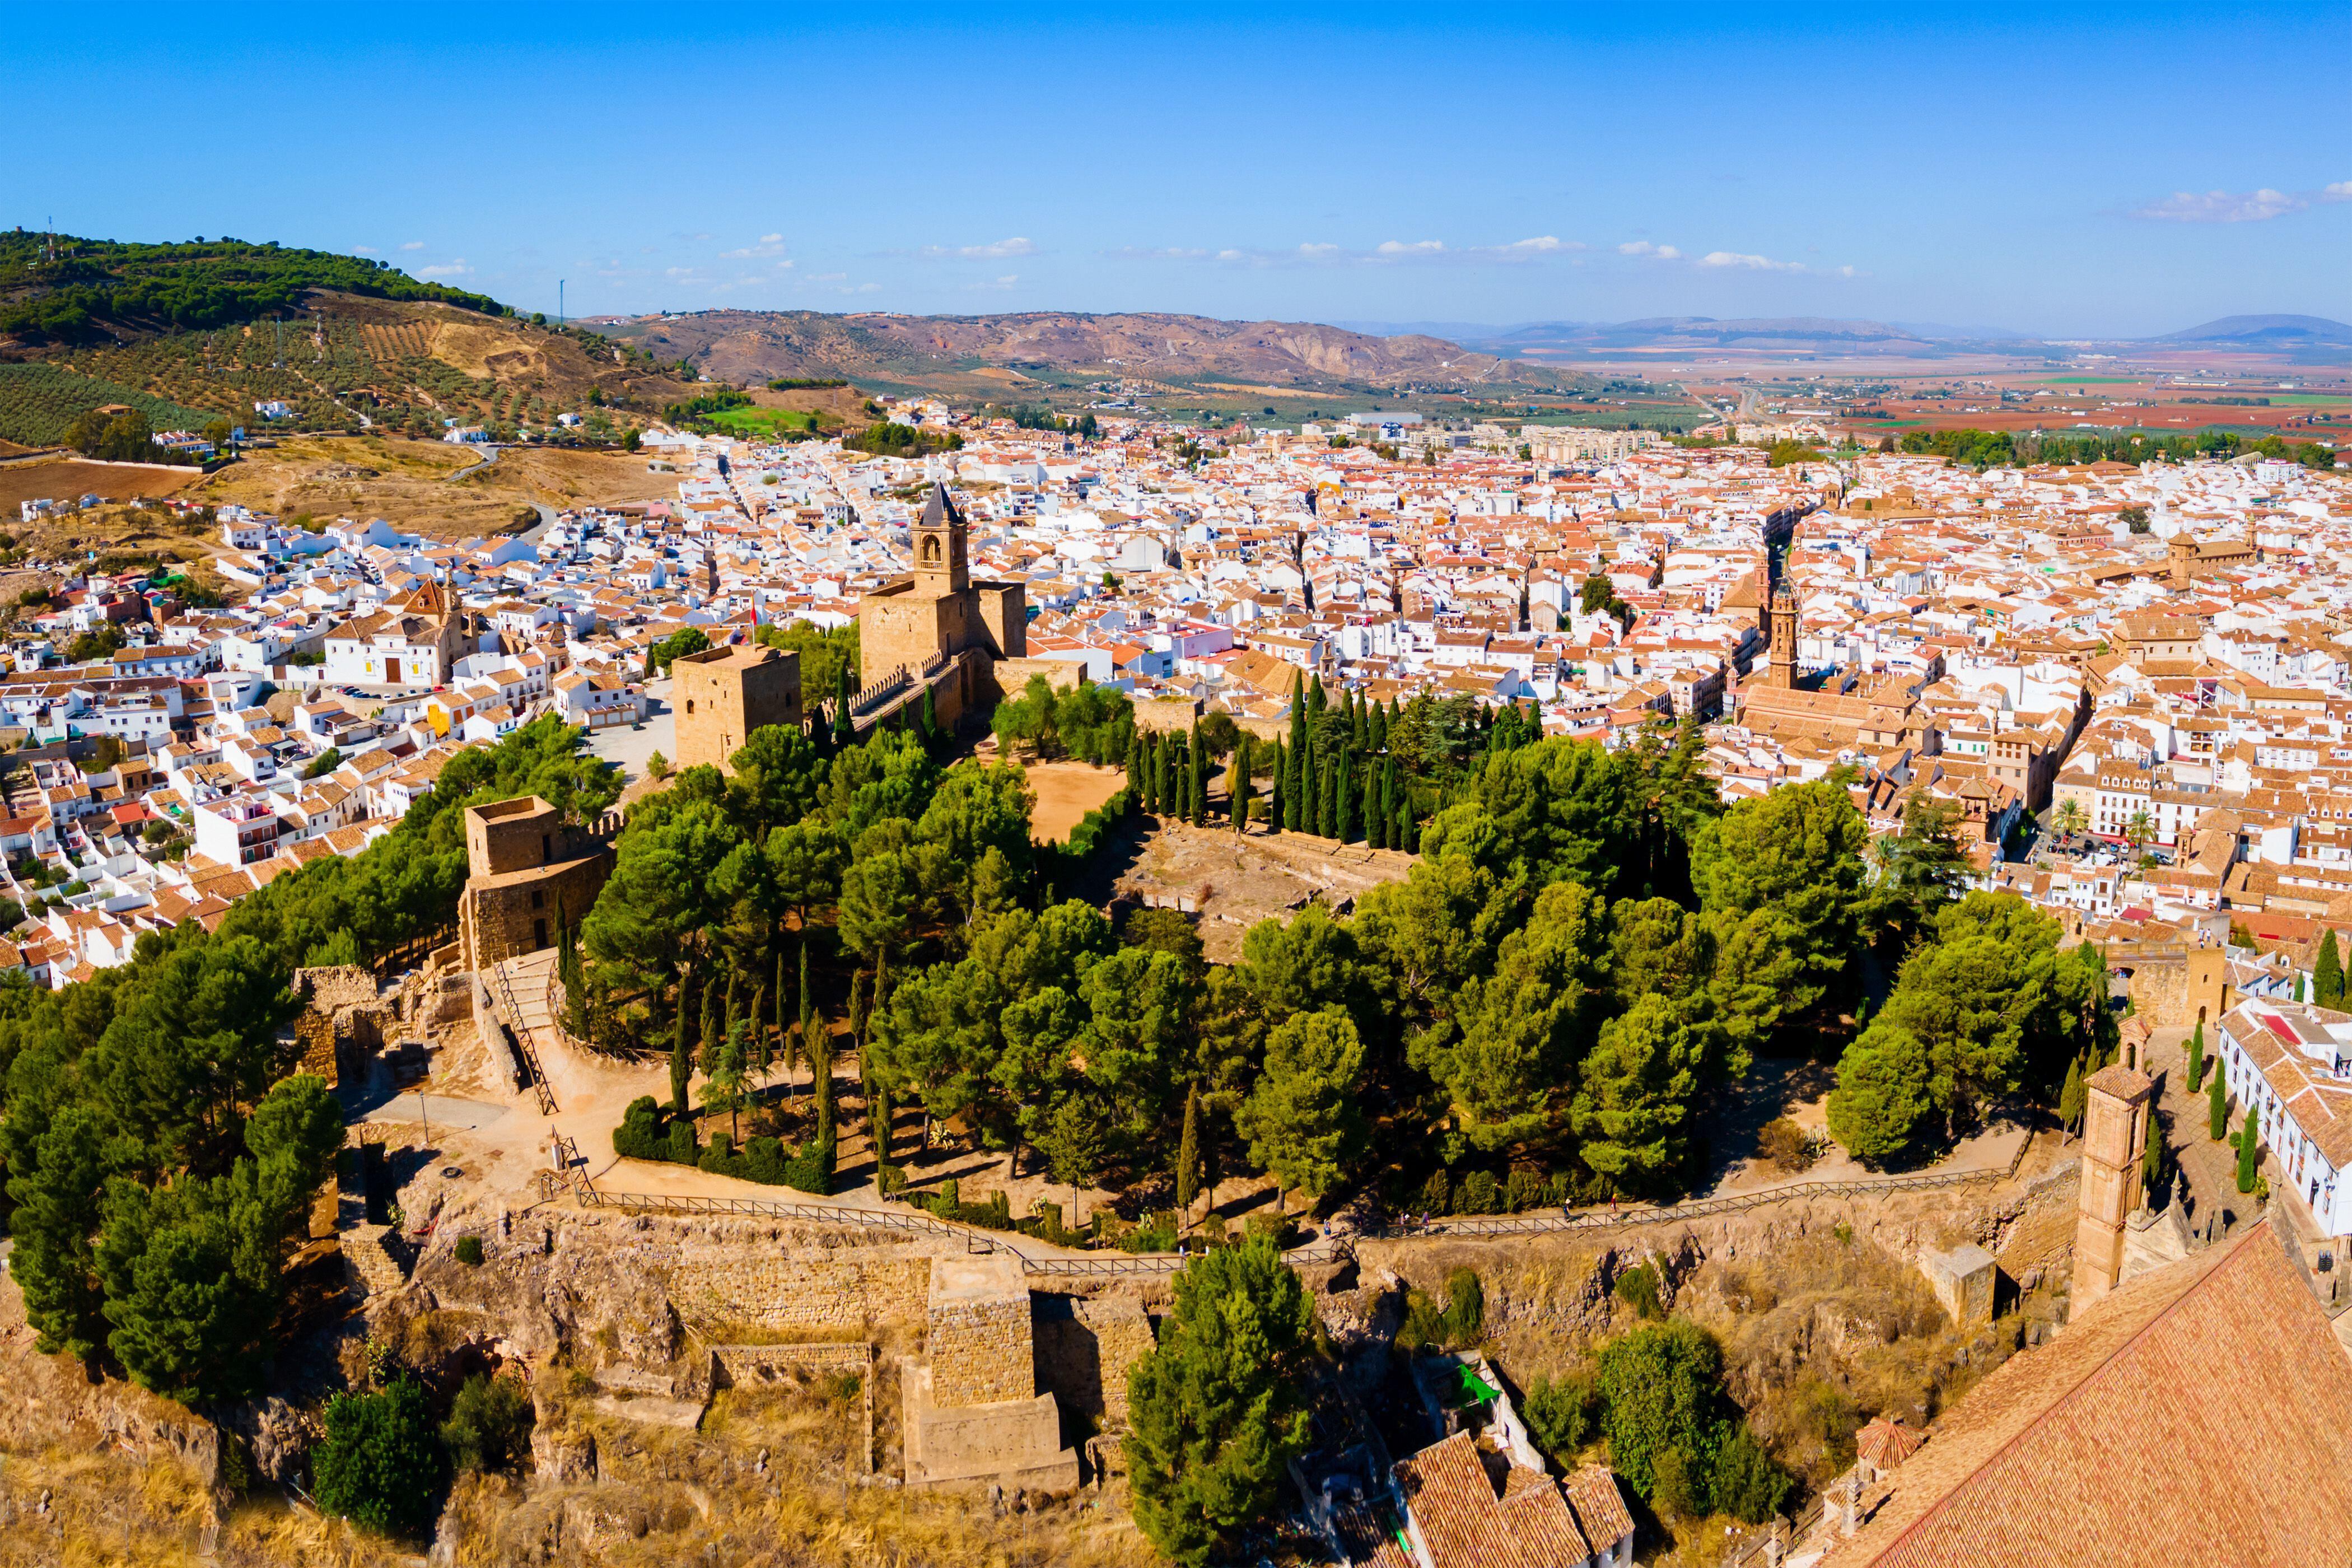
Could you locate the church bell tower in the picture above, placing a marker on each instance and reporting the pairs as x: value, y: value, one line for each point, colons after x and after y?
x: 940, y: 568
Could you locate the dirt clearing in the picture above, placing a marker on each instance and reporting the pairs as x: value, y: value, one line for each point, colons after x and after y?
x: 1066, y: 792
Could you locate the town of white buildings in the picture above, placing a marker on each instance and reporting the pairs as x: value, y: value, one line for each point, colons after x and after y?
x: 2152, y: 659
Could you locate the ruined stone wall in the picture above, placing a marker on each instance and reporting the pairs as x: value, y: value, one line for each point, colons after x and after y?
x: 760, y: 1288
x: 1086, y: 1349
x: 981, y: 1351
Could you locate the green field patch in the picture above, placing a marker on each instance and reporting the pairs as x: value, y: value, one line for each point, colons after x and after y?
x: 38, y: 403
x: 2309, y: 399
x: 763, y: 421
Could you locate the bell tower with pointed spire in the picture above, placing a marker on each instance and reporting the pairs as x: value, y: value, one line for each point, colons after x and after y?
x: 941, y: 569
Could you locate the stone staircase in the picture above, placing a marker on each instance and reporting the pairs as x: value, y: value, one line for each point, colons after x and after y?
x: 370, y: 1266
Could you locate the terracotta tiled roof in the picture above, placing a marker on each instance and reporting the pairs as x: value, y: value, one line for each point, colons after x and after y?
x: 2074, y: 1453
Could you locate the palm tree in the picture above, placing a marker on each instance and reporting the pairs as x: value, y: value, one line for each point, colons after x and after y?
x: 2139, y: 829
x: 2071, y: 816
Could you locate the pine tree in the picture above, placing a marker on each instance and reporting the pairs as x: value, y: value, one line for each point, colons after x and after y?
x: 2217, y: 1108
x: 681, y: 1063
x: 1188, y: 1154
x: 2070, y: 1097
x: 2328, y: 974
x: 2197, y: 1057
x: 2250, y: 1152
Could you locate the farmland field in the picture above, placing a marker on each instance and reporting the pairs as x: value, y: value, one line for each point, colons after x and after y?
x: 763, y: 421
x: 39, y: 402
x: 70, y: 478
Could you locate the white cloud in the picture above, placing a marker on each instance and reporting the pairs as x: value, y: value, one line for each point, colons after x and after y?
x: 457, y: 268
x: 412, y: 245
x: 770, y: 245
x: 1388, y: 252
x: 362, y: 250
x: 772, y: 239
x: 998, y: 251
x: 1746, y: 262
x: 2224, y: 207
x: 1644, y: 248
x: 1007, y: 281
x: 2337, y: 191
x: 1542, y: 245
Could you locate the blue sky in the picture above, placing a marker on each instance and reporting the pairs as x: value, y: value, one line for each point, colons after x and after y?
x: 2066, y: 169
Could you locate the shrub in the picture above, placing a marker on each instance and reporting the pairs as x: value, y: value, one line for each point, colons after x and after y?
x: 1478, y: 1194
x: 1448, y: 1327
x: 490, y: 1424
x: 469, y: 1251
x: 1638, y: 1289
x: 1559, y: 1416
x: 381, y: 1465
x: 1748, y: 1482
x: 1784, y: 1144
x: 1280, y: 1228
x: 1523, y: 1191
x: 1434, y: 1193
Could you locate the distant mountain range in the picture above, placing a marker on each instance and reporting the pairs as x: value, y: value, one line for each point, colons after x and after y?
x: 2296, y: 335
x: 1043, y: 347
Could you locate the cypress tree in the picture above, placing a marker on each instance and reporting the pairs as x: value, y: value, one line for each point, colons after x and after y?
x: 1310, y: 789
x: 1278, y: 792
x: 2328, y: 974
x: 759, y: 1026
x: 1368, y: 804
x: 844, y: 732
x: 1319, y: 701
x: 1239, y: 787
x: 1188, y: 1154
x: 2250, y: 1152
x: 681, y: 1064
x: 1327, y: 803
x: 2197, y: 1057
x: 1199, y: 812
x: 2070, y: 1097
x: 712, y: 1037
x: 1388, y: 799
x: 1132, y: 764
x: 807, y: 1008
x: 1294, y: 777
x: 926, y: 719
x: 1344, y: 805
x: 2151, y: 1159
x: 734, y: 1003
x: 1379, y: 727
x: 877, y: 1124
x: 1359, y: 731
x: 2217, y: 1108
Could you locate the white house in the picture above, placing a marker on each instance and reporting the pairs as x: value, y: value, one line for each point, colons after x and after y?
x: 2291, y: 1064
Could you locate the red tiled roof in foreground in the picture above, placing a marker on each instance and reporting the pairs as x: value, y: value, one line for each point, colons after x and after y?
x: 1538, y: 1522
x: 2201, y: 1413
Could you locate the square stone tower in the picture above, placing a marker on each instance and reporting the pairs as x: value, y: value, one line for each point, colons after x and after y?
x: 722, y: 694
x: 2119, y: 1100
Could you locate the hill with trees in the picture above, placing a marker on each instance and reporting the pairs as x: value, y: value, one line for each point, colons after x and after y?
x: 192, y: 331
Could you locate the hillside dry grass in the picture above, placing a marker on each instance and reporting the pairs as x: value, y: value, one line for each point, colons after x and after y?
x: 434, y: 487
